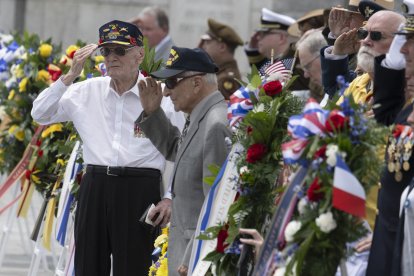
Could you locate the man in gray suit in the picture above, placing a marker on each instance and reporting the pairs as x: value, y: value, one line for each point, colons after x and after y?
x: 154, y: 24
x: 191, y: 82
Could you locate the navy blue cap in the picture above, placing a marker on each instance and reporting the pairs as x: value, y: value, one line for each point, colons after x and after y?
x: 368, y: 7
x: 120, y: 32
x: 184, y: 59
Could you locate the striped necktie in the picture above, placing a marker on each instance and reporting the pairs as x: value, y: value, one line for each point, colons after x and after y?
x: 185, y: 129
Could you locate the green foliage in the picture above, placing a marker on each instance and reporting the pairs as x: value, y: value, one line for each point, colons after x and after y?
x: 149, y: 64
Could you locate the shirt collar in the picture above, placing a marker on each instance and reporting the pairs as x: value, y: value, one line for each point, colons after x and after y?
x: 162, y: 42
x: 134, y: 89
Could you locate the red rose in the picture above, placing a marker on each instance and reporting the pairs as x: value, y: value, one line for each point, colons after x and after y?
x: 320, y: 153
x: 221, y: 238
x: 40, y: 153
x: 273, y: 88
x: 144, y: 73
x: 249, y: 130
x: 255, y: 152
x: 335, y: 121
x: 314, y: 193
x: 28, y: 174
x: 38, y: 143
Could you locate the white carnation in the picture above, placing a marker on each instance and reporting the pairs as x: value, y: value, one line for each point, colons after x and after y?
x: 274, y: 77
x: 244, y: 170
x: 291, y: 229
x: 280, y: 271
x: 331, y: 151
x: 326, y: 222
x: 259, y: 108
x: 6, y: 38
x: 303, y: 203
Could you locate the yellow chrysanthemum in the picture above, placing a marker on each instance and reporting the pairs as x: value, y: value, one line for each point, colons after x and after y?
x: 19, y: 135
x: 60, y: 162
x: 99, y: 59
x: 11, y: 94
x: 43, y: 76
x: 45, y: 50
x: 165, y: 230
x: 23, y: 85
x: 19, y: 73
x: 51, y: 129
x: 13, y: 129
x: 71, y: 50
x: 160, y: 240
x: 163, y: 269
x: 152, y: 270
x: 164, y: 248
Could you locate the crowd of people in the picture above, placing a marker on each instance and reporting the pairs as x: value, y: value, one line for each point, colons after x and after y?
x: 130, y: 124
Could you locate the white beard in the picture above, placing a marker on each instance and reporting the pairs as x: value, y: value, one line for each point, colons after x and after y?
x: 365, y: 59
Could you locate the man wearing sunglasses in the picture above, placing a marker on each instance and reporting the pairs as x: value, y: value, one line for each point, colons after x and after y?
x: 191, y: 83
x: 123, y: 168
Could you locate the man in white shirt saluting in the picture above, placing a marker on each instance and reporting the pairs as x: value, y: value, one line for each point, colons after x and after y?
x: 123, y: 168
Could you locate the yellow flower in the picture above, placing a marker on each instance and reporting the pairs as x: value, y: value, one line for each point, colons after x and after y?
x: 43, y: 76
x: 163, y: 269
x: 99, y: 59
x: 160, y: 240
x: 19, y: 73
x: 165, y: 230
x: 73, y: 137
x: 51, y: 129
x: 19, y: 135
x: 11, y: 95
x: 23, y: 85
x: 70, y: 51
x: 60, y: 162
x: 45, y: 50
x: 164, y: 248
x: 152, y: 270
x: 15, y: 131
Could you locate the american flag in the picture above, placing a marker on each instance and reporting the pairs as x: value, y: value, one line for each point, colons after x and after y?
x: 281, y: 66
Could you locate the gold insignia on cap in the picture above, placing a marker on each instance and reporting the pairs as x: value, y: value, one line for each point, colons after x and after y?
x: 228, y: 85
x: 173, y: 57
x: 368, y: 12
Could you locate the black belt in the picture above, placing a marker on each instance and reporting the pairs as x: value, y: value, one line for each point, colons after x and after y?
x: 122, y: 171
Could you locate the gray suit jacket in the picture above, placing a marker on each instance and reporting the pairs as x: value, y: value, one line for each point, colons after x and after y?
x: 164, y: 51
x: 203, y: 145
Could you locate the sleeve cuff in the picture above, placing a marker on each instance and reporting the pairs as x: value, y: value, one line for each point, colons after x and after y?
x: 328, y: 54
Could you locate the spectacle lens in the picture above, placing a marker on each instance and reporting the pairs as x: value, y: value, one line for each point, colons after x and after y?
x: 173, y: 82
x: 373, y: 35
x: 119, y: 51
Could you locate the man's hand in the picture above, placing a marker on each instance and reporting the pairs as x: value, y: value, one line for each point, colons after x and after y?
x: 163, y: 209
x: 254, y: 41
x: 182, y: 270
x: 347, y: 43
x: 150, y: 94
x: 339, y: 21
x: 256, y: 241
x: 364, y: 245
x: 78, y: 63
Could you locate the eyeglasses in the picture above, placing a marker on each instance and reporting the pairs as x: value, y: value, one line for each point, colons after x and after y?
x: 373, y: 35
x: 173, y: 82
x: 119, y: 51
x: 308, y: 65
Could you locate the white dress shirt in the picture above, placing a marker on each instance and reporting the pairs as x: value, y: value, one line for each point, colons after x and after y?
x: 104, y: 121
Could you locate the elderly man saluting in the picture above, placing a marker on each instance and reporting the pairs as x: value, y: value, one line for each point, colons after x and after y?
x: 191, y: 83
x: 123, y: 168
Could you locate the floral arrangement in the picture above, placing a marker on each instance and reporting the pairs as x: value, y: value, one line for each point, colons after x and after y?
x: 339, y: 146
x: 259, y: 114
x: 28, y: 66
x: 160, y: 264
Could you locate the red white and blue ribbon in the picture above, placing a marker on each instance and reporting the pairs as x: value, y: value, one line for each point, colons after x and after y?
x: 239, y: 105
x: 214, y: 211
x: 348, y: 194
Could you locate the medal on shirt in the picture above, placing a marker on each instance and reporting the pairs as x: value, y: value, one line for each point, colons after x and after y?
x: 138, y: 133
x: 399, y: 151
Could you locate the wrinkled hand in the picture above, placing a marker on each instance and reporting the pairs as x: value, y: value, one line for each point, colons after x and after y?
x: 151, y: 95
x: 182, y: 270
x: 256, y: 241
x: 347, y: 43
x: 254, y: 41
x: 363, y: 245
x: 339, y: 21
x: 164, y: 209
x: 78, y: 63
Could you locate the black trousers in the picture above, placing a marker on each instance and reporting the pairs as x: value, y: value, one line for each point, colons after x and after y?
x: 107, y: 223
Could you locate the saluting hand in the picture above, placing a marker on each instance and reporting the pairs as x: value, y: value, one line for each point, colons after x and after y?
x: 339, y: 21
x: 347, y: 43
x: 150, y: 94
x: 78, y: 62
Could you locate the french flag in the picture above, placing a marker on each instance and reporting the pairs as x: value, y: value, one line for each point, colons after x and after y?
x: 348, y: 194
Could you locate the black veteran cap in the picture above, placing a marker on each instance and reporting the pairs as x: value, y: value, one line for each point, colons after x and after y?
x: 184, y: 59
x: 408, y: 8
x: 222, y: 33
x: 272, y: 20
x: 368, y: 7
x: 119, y: 32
